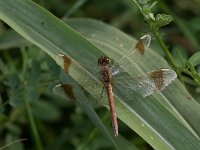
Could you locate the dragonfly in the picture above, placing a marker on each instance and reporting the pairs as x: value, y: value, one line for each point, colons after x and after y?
x: 145, y: 84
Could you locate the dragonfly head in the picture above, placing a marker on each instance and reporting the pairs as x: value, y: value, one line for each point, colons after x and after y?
x: 102, y: 61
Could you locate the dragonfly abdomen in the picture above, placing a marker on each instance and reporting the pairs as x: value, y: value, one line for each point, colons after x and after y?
x: 109, y: 92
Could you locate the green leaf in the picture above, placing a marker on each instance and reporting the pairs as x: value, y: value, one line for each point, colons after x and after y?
x: 52, y: 66
x: 14, y: 81
x: 166, y: 120
x: 192, y: 69
x: 194, y: 72
x: 194, y: 24
x: 31, y: 94
x: 2, y: 108
x: 83, y: 101
x: 153, y: 4
x: 15, y: 101
x: 3, y: 118
x: 162, y: 20
x: 195, y: 59
x: 12, y: 40
x: 146, y: 9
x: 45, y: 111
x: 34, y: 73
x: 179, y: 102
x: 142, y: 2
x: 180, y: 56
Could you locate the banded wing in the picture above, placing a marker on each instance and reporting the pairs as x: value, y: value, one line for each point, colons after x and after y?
x: 146, y: 84
x: 90, y: 82
x: 65, y: 91
x: 95, y: 89
x: 129, y: 60
x: 88, y: 77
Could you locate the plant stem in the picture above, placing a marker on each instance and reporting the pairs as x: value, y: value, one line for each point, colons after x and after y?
x: 157, y: 35
x: 163, y: 45
x: 25, y: 61
x: 33, y: 127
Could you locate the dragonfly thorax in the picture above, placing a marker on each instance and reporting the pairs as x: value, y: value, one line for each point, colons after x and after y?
x: 106, y: 75
x: 103, y: 61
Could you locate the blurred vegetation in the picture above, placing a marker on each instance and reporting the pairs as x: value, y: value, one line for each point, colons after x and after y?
x: 27, y: 74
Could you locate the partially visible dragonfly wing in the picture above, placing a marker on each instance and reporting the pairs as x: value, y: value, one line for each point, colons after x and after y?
x: 133, y: 55
x: 141, y: 85
x: 64, y: 90
x: 143, y: 43
x: 157, y: 80
x: 148, y: 83
x: 88, y: 78
x: 63, y: 61
x: 162, y: 78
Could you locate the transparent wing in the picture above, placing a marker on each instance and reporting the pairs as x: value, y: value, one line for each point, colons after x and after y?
x: 64, y: 90
x: 86, y: 76
x: 146, y: 84
x: 132, y: 56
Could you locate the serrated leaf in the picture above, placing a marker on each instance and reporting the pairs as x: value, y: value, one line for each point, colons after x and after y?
x: 146, y: 9
x: 162, y: 20
x: 195, y: 59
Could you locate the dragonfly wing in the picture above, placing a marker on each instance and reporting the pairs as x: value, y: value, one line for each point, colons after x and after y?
x: 88, y: 77
x: 64, y: 90
x: 148, y: 83
x: 134, y: 55
x: 87, y: 81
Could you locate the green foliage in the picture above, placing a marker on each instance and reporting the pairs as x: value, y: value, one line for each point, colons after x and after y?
x: 162, y: 20
x: 30, y: 110
x: 195, y: 59
x: 157, y: 22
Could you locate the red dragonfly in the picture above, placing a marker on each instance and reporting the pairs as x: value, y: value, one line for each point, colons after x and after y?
x: 144, y: 84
